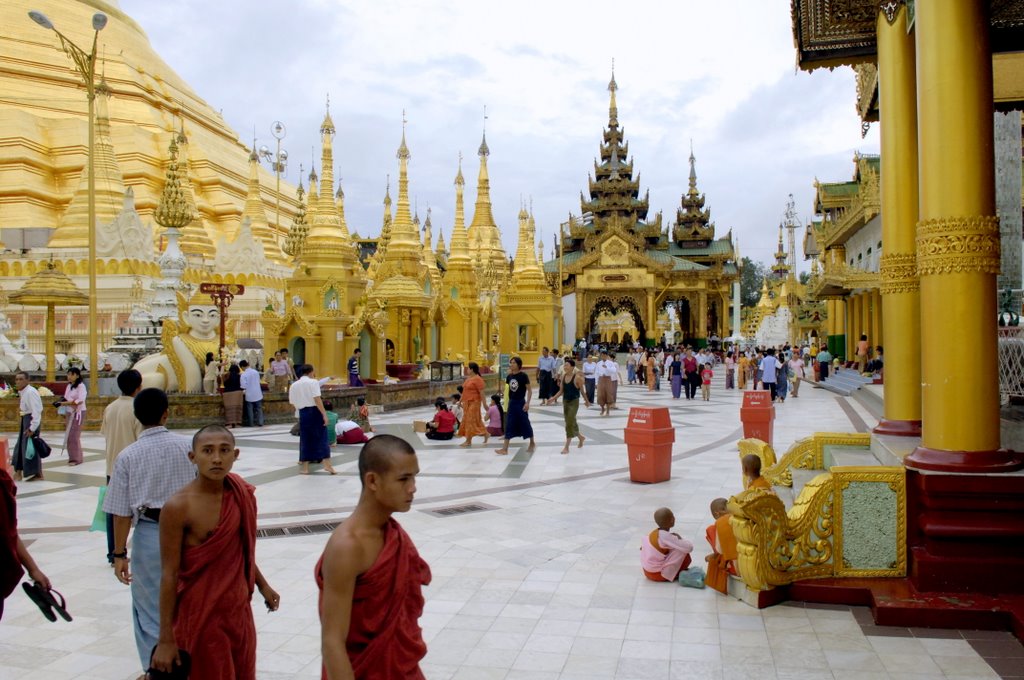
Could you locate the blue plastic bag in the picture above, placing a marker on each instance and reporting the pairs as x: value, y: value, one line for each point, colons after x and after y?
x: 99, y: 518
x: 691, y: 578
x: 30, y: 449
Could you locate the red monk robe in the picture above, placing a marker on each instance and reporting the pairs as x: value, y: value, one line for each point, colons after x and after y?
x: 10, y: 564
x: 722, y: 563
x: 214, y: 621
x: 385, y: 641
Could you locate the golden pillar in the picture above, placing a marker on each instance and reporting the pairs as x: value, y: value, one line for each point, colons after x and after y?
x: 51, y: 342
x: 957, y: 240
x: 866, y: 302
x: 876, y: 319
x: 901, y: 298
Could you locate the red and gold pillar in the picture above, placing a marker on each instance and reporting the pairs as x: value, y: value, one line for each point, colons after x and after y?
x: 957, y: 241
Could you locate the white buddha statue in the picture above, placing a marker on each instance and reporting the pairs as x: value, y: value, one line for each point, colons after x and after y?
x: 181, y: 365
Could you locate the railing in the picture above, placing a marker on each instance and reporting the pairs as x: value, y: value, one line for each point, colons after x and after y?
x: 1011, y: 363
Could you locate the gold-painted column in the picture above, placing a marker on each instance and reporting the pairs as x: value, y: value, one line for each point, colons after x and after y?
x: 51, y: 344
x: 876, y: 319
x: 957, y: 240
x: 866, y: 300
x: 901, y: 299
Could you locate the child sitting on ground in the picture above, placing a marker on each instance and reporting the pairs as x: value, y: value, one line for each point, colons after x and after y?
x: 722, y: 560
x: 332, y: 422
x: 442, y: 427
x: 663, y: 554
x: 752, y: 473
x: 495, y: 417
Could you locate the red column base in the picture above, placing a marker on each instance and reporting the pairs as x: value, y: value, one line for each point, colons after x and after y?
x: 898, y: 428
x: 938, y: 460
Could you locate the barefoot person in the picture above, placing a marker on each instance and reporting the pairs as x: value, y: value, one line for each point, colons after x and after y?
x: 663, y: 553
x: 722, y: 560
x: 472, y: 424
x: 208, y: 554
x: 15, y: 559
x: 571, y: 386
x: 304, y: 395
x: 146, y: 475
x: 371, y: 577
x: 517, y: 419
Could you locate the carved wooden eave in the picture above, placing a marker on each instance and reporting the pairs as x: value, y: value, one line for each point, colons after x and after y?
x: 275, y: 324
x: 831, y: 33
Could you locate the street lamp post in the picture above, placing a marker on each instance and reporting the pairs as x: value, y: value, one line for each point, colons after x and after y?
x: 278, y: 161
x: 85, y: 63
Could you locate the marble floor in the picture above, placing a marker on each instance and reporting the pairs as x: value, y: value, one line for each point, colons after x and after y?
x: 542, y: 581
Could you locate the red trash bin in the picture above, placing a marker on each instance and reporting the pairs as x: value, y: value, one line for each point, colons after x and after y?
x: 649, y: 436
x: 758, y: 415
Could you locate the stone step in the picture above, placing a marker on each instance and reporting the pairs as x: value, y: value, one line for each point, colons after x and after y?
x: 800, y: 479
x: 835, y: 388
x: 836, y: 456
x: 890, y: 450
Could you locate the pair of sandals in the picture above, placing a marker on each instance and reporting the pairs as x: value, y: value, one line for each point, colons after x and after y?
x: 47, y: 601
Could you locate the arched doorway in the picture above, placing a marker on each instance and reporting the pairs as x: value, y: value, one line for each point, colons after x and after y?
x: 297, y: 350
x: 613, y: 306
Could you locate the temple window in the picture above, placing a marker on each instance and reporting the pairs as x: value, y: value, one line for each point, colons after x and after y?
x: 527, y: 338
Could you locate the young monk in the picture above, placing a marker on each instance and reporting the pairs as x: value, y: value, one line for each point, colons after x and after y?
x: 722, y: 560
x: 663, y: 554
x: 207, y: 547
x: 371, y: 576
x: 752, y: 473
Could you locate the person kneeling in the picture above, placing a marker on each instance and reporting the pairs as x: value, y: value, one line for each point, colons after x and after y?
x: 663, y: 554
x: 443, y: 424
x: 349, y: 432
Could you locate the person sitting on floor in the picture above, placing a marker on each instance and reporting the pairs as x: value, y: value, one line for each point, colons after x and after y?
x: 349, y: 432
x: 332, y: 422
x: 722, y: 560
x: 663, y: 554
x: 443, y: 424
x: 752, y: 473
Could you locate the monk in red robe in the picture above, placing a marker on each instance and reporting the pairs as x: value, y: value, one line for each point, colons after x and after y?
x: 722, y: 561
x: 14, y: 556
x: 752, y: 473
x: 371, y: 576
x: 208, y: 554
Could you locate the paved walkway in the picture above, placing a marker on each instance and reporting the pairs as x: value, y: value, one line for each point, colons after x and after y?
x: 541, y: 581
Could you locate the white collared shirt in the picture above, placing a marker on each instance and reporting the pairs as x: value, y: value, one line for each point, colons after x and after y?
x: 31, y: 403
x: 303, y: 392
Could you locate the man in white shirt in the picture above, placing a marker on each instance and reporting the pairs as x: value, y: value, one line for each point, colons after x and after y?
x: 250, y: 381
x: 30, y: 408
x: 590, y: 377
x: 769, y: 366
x: 612, y: 368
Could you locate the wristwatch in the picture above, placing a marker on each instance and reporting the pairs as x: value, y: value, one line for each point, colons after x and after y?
x: 120, y: 555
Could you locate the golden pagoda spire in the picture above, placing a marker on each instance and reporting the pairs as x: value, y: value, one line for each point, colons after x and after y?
x: 339, y: 202
x: 72, y: 231
x: 526, y: 273
x: 194, y: 238
x: 326, y: 224
x: 533, y: 231
x: 402, y: 230
x: 460, y: 237
x: 429, y: 258
x: 254, y: 210
x: 296, y: 238
x: 613, y: 107
x: 313, y: 197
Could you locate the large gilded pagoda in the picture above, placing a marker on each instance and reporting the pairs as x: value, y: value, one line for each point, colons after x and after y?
x: 615, y: 259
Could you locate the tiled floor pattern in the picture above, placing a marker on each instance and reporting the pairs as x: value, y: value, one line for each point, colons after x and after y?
x: 545, y: 585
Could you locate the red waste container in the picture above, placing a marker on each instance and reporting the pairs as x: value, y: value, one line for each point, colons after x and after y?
x: 649, y: 437
x: 758, y: 415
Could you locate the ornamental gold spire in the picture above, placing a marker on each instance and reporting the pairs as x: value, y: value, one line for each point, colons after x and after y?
x: 693, y: 220
x: 402, y: 230
x: 526, y: 275
x: 72, y: 230
x: 296, y: 239
x: 460, y: 237
x: 256, y: 213
x: 313, y: 197
x: 173, y: 211
x: 194, y: 238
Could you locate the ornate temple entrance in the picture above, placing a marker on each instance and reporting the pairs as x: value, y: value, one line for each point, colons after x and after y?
x: 614, y: 258
x: 615, y: 305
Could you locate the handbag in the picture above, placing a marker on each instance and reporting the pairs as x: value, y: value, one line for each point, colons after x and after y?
x: 180, y: 672
x: 41, y: 447
x: 691, y: 578
x: 99, y: 518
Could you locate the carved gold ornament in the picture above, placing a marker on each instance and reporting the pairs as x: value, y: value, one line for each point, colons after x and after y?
x: 958, y: 245
x: 899, y: 273
x: 890, y: 8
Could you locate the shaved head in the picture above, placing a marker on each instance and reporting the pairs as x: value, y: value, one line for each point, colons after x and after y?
x: 378, y: 454
x: 752, y: 465
x: 664, y: 518
x: 719, y: 507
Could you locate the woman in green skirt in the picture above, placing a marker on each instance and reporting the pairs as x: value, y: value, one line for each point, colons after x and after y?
x: 570, y: 387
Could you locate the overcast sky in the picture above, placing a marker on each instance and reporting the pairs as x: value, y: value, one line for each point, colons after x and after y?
x: 720, y: 74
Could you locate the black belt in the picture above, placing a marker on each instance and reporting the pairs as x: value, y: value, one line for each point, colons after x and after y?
x: 152, y: 514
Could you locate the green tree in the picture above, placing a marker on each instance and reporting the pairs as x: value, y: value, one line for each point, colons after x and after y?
x: 805, y: 277
x: 751, y: 280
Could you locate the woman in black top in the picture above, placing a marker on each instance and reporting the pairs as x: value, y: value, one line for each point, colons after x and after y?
x: 517, y: 419
x: 233, y: 397
x: 571, y: 387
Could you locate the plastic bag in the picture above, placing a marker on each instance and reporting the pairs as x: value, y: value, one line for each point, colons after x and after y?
x: 691, y: 578
x: 99, y: 518
x: 30, y: 449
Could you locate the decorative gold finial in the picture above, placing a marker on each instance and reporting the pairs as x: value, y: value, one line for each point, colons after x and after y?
x: 174, y: 211
x: 403, y: 150
x: 484, y: 150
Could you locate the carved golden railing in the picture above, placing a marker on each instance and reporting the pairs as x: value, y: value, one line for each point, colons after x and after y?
x: 805, y: 454
x: 777, y: 548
